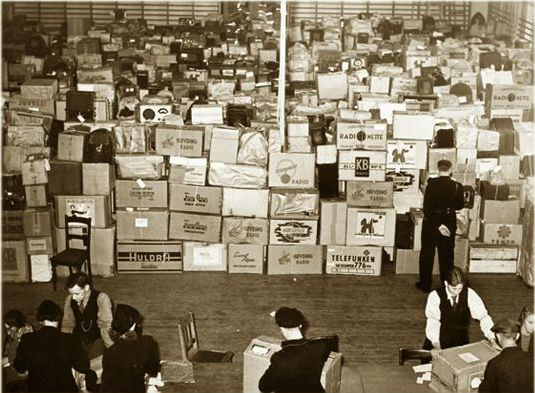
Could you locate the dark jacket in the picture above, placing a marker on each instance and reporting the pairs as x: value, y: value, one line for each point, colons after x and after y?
x: 443, y: 196
x: 509, y: 372
x: 125, y: 363
x: 49, y: 356
x: 296, y: 367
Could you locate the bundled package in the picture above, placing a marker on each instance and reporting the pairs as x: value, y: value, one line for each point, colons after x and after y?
x: 237, y: 175
x: 21, y: 117
x: 26, y: 136
x: 299, y: 203
x: 130, y: 138
x: 253, y: 149
x: 139, y: 166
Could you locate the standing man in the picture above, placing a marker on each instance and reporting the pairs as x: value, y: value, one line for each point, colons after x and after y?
x: 449, y: 310
x: 298, y: 365
x: 88, y: 315
x: 512, y: 370
x: 443, y: 196
x: 49, y: 355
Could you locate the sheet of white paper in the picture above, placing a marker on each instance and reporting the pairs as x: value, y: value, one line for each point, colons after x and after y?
x: 468, y: 357
x: 427, y: 376
x: 422, y: 368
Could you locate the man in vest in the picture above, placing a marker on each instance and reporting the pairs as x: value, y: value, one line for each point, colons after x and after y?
x: 88, y: 315
x: 449, y: 310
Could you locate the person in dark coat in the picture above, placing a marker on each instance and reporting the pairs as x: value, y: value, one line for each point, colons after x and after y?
x: 298, y: 365
x: 527, y: 322
x: 449, y: 311
x: 133, y: 355
x: 512, y: 370
x: 443, y: 196
x: 49, y: 355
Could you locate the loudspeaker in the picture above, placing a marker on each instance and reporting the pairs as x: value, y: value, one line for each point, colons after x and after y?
x: 80, y: 103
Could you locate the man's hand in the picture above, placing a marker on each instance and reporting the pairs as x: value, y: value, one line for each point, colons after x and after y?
x: 444, y: 231
x: 436, y: 351
x: 494, y: 344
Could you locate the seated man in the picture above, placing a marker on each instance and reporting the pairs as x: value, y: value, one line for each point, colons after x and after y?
x: 49, y: 355
x: 298, y: 365
x: 448, y: 311
x: 88, y: 315
x: 512, y: 369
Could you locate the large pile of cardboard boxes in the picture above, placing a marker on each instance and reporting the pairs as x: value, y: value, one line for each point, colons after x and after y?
x: 217, y: 186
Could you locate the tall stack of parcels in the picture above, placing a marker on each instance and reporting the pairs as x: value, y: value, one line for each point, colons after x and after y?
x: 172, y: 147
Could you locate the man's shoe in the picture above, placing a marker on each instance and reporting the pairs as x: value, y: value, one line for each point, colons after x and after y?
x: 421, y: 287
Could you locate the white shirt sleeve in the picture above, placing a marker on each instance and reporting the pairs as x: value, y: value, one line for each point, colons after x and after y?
x: 432, y: 313
x: 479, y: 312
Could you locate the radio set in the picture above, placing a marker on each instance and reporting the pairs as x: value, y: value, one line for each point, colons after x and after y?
x: 154, y: 109
x: 80, y: 103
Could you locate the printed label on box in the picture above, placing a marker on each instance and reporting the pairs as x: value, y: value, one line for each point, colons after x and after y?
x: 371, y: 224
x: 80, y: 207
x: 141, y: 223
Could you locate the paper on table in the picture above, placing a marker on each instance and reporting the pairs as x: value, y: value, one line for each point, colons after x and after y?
x: 468, y: 357
x: 422, y: 368
x: 427, y: 376
x: 419, y: 380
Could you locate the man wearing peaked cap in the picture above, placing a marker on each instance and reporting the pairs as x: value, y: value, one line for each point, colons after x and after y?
x: 512, y: 370
x: 298, y: 365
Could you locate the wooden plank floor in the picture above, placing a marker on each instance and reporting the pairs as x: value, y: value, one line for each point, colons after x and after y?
x: 372, y: 315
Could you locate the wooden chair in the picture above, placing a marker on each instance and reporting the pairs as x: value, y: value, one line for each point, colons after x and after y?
x: 414, y: 354
x: 76, y: 228
x: 189, y: 344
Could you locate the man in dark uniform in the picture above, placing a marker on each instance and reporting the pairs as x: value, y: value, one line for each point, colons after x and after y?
x: 512, y: 370
x: 88, y: 315
x: 443, y: 196
x: 449, y: 310
x: 49, y: 355
x: 298, y: 365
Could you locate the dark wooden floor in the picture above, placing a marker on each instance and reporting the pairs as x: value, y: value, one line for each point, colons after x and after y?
x: 372, y: 315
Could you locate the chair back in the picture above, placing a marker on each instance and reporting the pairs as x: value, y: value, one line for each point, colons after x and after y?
x: 78, y: 228
x: 413, y: 354
x: 188, y: 335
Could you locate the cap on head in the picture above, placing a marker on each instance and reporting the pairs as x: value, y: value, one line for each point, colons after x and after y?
x: 125, y: 316
x: 289, y: 317
x: 506, y: 325
x: 444, y: 165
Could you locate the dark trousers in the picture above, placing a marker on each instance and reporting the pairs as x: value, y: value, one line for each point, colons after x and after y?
x: 431, y: 239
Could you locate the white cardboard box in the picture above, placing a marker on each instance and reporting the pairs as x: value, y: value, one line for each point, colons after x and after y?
x: 362, y: 261
x: 204, y: 256
x: 293, y: 231
x: 246, y: 258
x: 371, y: 226
x: 245, y: 230
x: 362, y: 165
x: 404, y: 154
x: 245, y: 202
x: 333, y: 221
x: 413, y: 125
x: 351, y: 135
x: 224, y: 145
x: 291, y: 170
x: 295, y: 259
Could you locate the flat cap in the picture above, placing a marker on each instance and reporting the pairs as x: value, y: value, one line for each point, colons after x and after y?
x: 506, y: 325
x: 444, y: 165
x: 289, y: 317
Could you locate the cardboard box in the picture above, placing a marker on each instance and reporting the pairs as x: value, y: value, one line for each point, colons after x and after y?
x: 362, y: 165
x: 379, y: 84
x: 38, y: 222
x: 198, y: 199
x: 245, y: 230
x: 293, y: 231
x: 71, y: 145
x: 256, y: 360
x: 149, y: 256
x: 294, y: 203
x: 465, y: 160
x: 179, y: 142
x: 405, y: 154
x: 406, y: 181
x: 486, y: 251
x: 332, y: 86
x: 135, y: 166
x: 333, y: 222
x: 194, y: 227
x: 371, y: 226
x: 184, y: 170
x: 508, y: 97
x: 46, y: 105
x: 237, y: 175
x: 65, y: 177
x: 500, y: 212
x: 225, y: 143
x: 142, y: 224
x: 41, y: 269
x: 206, y: 114
x: 102, y: 250
x: 295, y: 259
x: 35, y: 172
x: 507, y: 234
x: 493, y: 265
x: 245, y: 202
x: 14, y: 156
x: 98, y: 179
x: 291, y: 170
x: 36, y: 196
x: 245, y: 258
x: 98, y: 207
x: 25, y: 133
x: 44, y: 89
x: 435, y: 155
x: 413, y: 125
x: 14, y: 261
x: 205, y: 256
x: 12, y: 224
x: 370, y: 193
x: 141, y: 193
x: 455, y: 368
x: 407, y: 262
x: 40, y: 245
x: 360, y: 261
x: 510, y: 166
x: 350, y: 136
